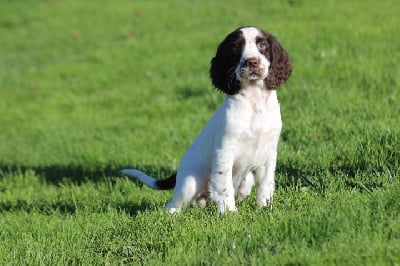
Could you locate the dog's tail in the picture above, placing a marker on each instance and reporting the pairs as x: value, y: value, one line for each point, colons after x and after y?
x: 150, y: 181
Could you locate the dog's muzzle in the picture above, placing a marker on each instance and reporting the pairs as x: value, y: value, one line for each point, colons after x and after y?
x: 251, y: 68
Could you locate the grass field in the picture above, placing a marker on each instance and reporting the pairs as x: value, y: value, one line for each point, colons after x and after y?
x: 89, y: 87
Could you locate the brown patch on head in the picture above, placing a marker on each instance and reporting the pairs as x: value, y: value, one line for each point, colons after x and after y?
x: 222, y: 71
x: 281, y: 67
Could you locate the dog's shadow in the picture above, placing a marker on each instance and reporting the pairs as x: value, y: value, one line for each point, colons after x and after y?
x: 78, y: 175
x: 70, y: 207
x: 133, y: 209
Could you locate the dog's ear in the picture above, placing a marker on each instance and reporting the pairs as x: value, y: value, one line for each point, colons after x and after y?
x: 280, y: 67
x: 222, y: 70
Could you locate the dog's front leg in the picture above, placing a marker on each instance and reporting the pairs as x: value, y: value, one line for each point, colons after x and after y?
x: 265, y: 176
x: 221, y: 184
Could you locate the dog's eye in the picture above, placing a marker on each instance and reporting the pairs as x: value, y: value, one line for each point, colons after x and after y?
x: 262, y: 46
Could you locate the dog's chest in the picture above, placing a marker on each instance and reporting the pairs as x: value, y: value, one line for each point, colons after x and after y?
x: 261, y: 127
x: 256, y: 136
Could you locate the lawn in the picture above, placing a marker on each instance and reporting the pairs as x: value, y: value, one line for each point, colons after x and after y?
x: 90, y: 87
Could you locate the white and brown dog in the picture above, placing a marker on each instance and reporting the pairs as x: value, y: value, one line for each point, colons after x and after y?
x: 241, y: 139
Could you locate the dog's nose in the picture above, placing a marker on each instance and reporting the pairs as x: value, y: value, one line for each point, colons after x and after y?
x: 251, y: 62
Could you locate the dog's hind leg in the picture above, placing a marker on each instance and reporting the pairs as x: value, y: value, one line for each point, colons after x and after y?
x: 245, y: 186
x: 200, y: 199
x: 187, y: 190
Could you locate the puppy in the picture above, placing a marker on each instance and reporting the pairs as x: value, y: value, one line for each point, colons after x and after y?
x: 238, y: 146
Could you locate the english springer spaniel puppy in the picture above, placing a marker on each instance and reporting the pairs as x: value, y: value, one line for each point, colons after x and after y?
x: 239, y: 143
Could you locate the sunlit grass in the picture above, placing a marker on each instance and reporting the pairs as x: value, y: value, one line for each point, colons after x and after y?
x: 87, y: 88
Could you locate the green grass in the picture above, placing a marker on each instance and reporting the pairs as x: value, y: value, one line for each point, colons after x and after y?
x: 89, y: 87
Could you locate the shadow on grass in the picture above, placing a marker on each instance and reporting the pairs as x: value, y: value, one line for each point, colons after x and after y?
x: 132, y: 209
x: 72, y: 208
x: 78, y: 174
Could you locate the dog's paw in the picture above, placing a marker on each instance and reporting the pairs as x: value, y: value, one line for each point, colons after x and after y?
x: 241, y: 196
x: 200, y: 201
x: 223, y: 208
x: 264, y: 201
x: 173, y: 210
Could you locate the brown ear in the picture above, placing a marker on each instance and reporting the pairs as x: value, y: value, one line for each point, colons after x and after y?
x: 280, y: 68
x: 222, y: 70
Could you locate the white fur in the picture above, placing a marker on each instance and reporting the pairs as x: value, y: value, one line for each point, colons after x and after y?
x: 240, y: 139
x: 250, y: 50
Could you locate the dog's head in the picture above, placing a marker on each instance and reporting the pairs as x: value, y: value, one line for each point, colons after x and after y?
x: 248, y: 55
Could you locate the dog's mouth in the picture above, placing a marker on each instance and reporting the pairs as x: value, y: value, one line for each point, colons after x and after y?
x: 247, y: 73
x: 254, y: 75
